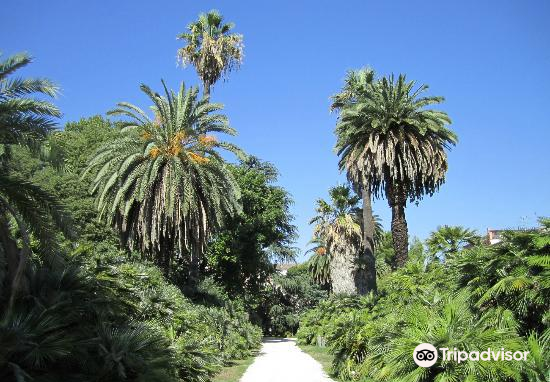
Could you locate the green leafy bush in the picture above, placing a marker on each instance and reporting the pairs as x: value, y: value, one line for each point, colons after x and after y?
x: 102, y: 317
x: 480, y: 297
x: 286, y: 298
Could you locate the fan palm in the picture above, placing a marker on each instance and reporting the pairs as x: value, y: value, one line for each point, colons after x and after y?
x: 355, y: 86
x: 514, y: 274
x: 537, y: 366
x: 24, y: 121
x: 163, y: 183
x: 338, y: 224
x: 450, y: 324
x: 393, y: 146
x: 211, y: 48
x: 448, y: 240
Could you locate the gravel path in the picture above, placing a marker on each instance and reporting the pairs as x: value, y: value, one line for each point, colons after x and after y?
x: 280, y: 360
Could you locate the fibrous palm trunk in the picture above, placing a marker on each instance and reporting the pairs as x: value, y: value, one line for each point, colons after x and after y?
x: 206, y: 90
x: 15, y: 271
x: 365, y: 277
x: 397, y: 201
x: 10, y: 249
x: 194, y: 269
x: 343, y: 269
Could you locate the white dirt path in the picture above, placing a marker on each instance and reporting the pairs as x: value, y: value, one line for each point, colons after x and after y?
x: 280, y: 360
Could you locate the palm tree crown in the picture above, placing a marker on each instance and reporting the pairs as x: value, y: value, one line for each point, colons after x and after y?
x: 391, y: 145
x: 319, y: 262
x: 338, y: 225
x: 449, y: 240
x: 23, y: 119
x: 26, y: 121
x: 211, y: 48
x: 163, y: 182
x: 389, y: 137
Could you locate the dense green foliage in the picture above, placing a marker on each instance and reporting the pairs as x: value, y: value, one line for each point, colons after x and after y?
x: 103, y: 317
x: 286, y: 298
x: 481, y: 297
x: 147, y: 328
x: 76, y: 303
x: 241, y: 256
x: 25, y: 120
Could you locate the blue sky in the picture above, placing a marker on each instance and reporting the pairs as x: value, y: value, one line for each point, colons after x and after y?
x: 489, y: 59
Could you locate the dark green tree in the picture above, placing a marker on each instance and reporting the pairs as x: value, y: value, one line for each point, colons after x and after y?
x: 242, y: 255
x: 288, y: 297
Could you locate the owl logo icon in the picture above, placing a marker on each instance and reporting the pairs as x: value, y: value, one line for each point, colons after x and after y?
x: 425, y: 355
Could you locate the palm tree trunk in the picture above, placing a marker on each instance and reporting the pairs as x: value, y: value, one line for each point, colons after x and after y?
x: 10, y: 248
x: 366, y: 275
x: 343, y: 270
x: 194, y: 269
x: 206, y: 90
x: 17, y: 278
x: 399, y: 230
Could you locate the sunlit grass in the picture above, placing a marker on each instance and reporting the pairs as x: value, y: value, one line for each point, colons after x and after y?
x: 235, y: 371
x: 321, y: 355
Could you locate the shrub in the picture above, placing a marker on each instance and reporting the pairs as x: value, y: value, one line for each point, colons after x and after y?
x: 287, y: 298
x: 480, y: 297
x: 103, y: 317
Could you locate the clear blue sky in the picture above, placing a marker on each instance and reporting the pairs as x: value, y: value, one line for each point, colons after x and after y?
x: 490, y: 59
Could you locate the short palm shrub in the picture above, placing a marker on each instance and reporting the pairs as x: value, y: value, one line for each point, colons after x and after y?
x: 480, y: 297
x: 318, y: 324
x: 67, y: 327
x: 102, y: 317
x: 514, y: 275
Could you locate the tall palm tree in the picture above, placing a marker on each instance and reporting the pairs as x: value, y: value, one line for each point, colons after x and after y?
x: 211, y: 48
x: 356, y: 86
x: 338, y: 224
x: 24, y: 121
x: 391, y: 144
x: 163, y: 183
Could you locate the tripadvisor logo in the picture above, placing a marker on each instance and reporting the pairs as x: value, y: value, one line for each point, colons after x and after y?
x: 425, y: 355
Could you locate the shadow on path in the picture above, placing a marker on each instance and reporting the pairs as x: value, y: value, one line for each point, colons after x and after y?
x: 271, y: 340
